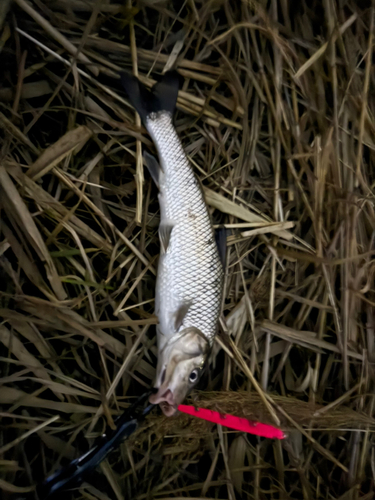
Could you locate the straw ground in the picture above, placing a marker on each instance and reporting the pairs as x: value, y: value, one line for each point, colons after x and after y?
x: 276, y: 114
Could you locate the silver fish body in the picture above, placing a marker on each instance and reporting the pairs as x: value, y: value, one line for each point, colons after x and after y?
x: 190, y: 272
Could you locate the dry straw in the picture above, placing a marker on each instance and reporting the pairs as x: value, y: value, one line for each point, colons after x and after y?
x: 276, y: 114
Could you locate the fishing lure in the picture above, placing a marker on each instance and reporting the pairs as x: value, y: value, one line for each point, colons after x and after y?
x: 233, y: 422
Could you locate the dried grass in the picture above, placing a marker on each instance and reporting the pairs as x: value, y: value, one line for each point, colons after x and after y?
x: 277, y: 117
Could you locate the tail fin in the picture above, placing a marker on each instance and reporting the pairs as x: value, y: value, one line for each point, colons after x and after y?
x: 162, y: 97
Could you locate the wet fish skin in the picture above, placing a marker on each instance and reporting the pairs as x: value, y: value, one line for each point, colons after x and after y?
x: 190, y: 273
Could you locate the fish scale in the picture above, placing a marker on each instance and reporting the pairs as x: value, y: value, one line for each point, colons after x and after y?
x: 191, y: 270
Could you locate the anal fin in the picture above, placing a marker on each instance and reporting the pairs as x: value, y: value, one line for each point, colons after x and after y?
x: 153, y: 167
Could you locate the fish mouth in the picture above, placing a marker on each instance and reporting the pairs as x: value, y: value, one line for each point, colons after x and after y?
x: 168, y: 409
x: 164, y: 398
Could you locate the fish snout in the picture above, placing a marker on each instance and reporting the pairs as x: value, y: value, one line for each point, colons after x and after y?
x: 163, y: 395
x: 166, y: 400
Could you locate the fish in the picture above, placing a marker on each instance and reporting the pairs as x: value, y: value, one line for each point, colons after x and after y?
x: 189, y: 282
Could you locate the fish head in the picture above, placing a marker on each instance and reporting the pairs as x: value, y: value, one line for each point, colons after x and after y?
x: 180, y: 366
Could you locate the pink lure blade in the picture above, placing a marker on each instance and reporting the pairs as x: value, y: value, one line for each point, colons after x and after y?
x: 237, y: 423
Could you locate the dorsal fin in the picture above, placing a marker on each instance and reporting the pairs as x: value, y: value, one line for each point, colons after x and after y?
x: 221, y: 242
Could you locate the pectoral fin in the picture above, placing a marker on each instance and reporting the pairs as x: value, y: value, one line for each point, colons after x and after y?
x: 180, y: 315
x: 165, y: 230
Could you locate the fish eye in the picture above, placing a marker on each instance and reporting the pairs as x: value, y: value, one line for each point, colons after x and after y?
x: 193, y: 377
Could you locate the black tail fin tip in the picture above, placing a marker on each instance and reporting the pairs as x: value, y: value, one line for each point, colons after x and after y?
x: 165, y: 92
x: 163, y: 96
x: 138, y: 95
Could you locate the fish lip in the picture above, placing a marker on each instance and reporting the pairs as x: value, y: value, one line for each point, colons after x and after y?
x: 162, y: 395
x: 166, y: 403
x: 168, y: 409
